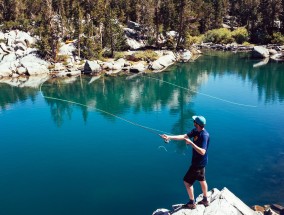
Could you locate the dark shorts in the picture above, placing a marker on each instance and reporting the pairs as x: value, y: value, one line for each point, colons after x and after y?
x: 193, y: 174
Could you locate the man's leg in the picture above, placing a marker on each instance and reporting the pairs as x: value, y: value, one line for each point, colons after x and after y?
x: 204, y: 187
x: 189, y: 189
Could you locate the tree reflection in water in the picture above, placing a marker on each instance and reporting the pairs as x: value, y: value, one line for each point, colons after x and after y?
x: 118, y: 94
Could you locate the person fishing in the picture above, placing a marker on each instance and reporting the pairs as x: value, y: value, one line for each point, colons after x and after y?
x: 196, y: 171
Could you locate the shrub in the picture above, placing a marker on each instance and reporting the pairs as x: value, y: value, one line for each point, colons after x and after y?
x: 221, y: 35
x: 21, y: 24
x: 246, y: 43
x: 118, y: 55
x: 146, y: 55
x: 278, y: 38
x: 62, y: 58
x: 89, y: 48
x: 240, y: 35
x: 189, y: 40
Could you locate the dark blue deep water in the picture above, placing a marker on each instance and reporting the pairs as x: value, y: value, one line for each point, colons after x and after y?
x: 59, y: 158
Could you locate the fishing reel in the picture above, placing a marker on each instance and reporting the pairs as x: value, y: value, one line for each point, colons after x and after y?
x: 167, y: 140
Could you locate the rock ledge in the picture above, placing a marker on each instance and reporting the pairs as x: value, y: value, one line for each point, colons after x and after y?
x: 222, y: 202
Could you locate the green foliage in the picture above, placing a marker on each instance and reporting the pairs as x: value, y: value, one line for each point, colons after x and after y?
x: 62, y: 58
x: 240, y: 35
x: 190, y: 40
x: 221, y: 35
x: 118, y: 55
x: 44, y: 48
x: 90, y: 49
x: 146, y: 55
x: 246, y: 44
x: 278, y: 38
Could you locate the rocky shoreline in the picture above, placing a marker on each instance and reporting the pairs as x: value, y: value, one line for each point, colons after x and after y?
x: 222, y: 202
x: 18, y: 57
x: 19, y: 60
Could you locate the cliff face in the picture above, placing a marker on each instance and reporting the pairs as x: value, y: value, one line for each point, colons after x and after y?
x: 222, y: 202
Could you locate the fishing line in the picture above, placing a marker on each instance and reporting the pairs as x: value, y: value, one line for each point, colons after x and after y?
x: 152, y: 130
x: 204, y: 94
x: 163, y: 147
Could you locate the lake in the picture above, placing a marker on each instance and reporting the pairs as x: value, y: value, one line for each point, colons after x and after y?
x: 85, y: 146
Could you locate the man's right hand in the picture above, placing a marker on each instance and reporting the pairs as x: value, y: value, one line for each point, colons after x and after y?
x: 165, y: 137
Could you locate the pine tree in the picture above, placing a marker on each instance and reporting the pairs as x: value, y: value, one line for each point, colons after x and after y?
x: 78, y: 26
x: 186, y: 21
x: 219, y: 9
x: 168, y: 15
x: 281, y: 17
x: 269, y: 12
x: 157, y: 20
x: 113, y: 35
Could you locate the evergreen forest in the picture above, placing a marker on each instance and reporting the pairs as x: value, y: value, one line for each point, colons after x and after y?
x: 98, y: 24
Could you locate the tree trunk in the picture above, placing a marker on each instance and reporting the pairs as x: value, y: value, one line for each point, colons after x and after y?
x: 182, y: 5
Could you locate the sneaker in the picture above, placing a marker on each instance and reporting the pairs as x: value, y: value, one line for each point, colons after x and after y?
x: 204, y: 202
x: 190, y: 206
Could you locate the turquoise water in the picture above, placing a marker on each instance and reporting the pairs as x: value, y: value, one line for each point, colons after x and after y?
x: 59, y: 157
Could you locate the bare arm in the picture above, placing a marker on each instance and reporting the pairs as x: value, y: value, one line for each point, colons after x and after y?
x: 174, y: 137
x: 196, y: 148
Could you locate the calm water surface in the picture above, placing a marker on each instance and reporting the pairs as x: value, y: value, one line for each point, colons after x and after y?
x: 60, y: 158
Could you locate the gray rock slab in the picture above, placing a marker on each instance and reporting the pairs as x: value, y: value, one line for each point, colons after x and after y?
x: 223, y: 202
x: 260, y: 52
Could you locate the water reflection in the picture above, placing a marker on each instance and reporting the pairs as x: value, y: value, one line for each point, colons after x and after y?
x: 268, y: 78
x: 117, y: 95
x: 11, y: 95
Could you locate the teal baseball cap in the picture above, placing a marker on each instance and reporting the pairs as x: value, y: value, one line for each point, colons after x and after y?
x: 200, y: 120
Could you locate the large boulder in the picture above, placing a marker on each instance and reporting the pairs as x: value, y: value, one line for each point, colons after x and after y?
x: 67, y: 49
x: 136, y: 68
x: 34, y: 65
x: 15, y: 36
x: 260, y: 52
x: 24, y: 36
x: 9, y: 58
x: 156, y: 65
x: 135, y: 44
x: 107, y: 65
x: 185, y: 56
x: 119, y: 64
x: 6, y: 69
x: 91, y: 67
x: 164, y: 61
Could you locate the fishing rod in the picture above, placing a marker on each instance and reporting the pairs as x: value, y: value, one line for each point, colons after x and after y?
x: 204, y: 94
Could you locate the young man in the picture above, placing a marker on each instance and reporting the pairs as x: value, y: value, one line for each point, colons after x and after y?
x: 199, y: 160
